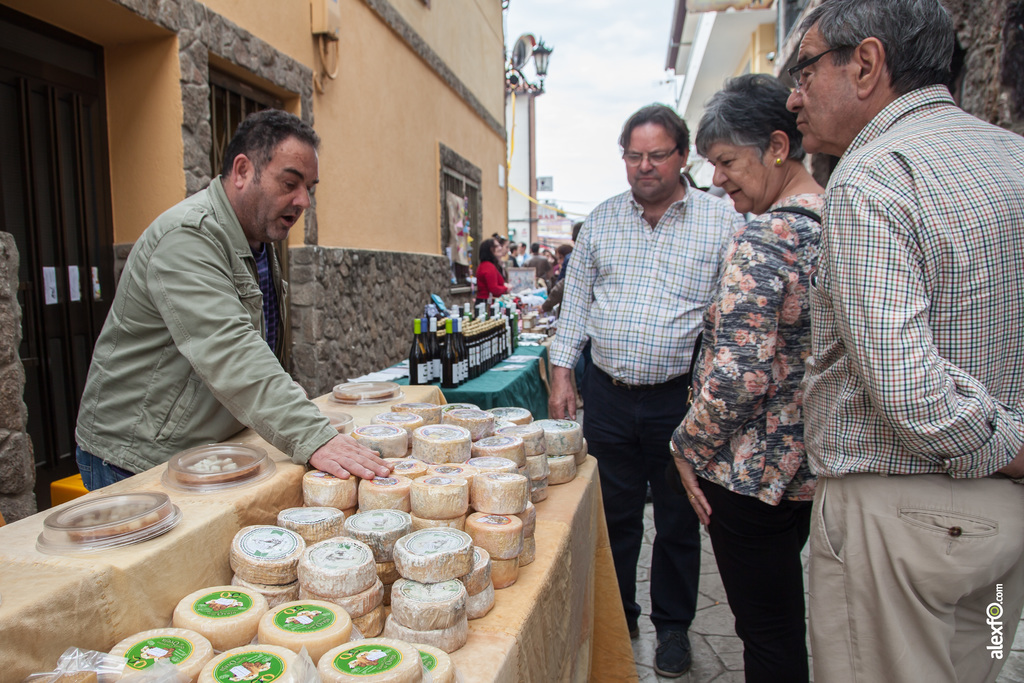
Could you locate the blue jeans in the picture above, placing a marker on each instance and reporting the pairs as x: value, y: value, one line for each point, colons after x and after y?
x: 98, y: 473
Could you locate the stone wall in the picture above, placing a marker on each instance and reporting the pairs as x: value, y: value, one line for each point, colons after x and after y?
x: 17, y: 467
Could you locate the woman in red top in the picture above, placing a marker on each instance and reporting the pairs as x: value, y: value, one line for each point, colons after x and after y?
x: 490, y: 276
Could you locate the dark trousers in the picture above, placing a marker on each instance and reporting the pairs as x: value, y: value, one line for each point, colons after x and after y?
x: 757, y: 547
x: 628, y: 432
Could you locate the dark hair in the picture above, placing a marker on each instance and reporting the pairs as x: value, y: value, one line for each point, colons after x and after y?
x: 535, y: 248
x: 745, y: 113
x: 259, y: 135
x: 660, y: 115
x: 576, y: 227
x: 917, y: 35
x: 564, y: 250
x: 485, y: 252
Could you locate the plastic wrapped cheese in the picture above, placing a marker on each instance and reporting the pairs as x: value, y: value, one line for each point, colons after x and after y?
x: 500, y: 493
x: 501, y: 446
x: 439, y: 497
x: 453, y: 523
x: 387, y: 572
x: 461, y: 470
x: 563, y: 437
x: 529, y: 553
x: 407, y: 421
x: 371, y: 623
x: 448, y: 639
x: 442, y: 443
x: 320, y: 489
x: 538, y: 467
x: 532, y: 435
x: 408, y: 467
x: 186, y: 650
x: 388, y: 440
x: 434, y: 555
x: 458, y: 406
x: 356, y: 605
x: 504, y: 572
x: 379, y: 529
x: 539, y: 490
x: 266, y: 554
x: 437, y: 663
x: 227, y: 616
x: 529, y: 519
x: 337, y: 567
x: 275, y: 595
x: 562, y: 469
x: 312, y: 624
x: 480, y: 577
x: 493, y: 464
x: 314, y: 524
x: 480, y: 423
x: 519, y: 416
x: 263, y: 663
x: 581, y: 456
x: 428, y: 606
x: 372, y: 660
x: 391, y: 493
x: 430, y: 412
x: 500, y: 535
x: 477, y: 606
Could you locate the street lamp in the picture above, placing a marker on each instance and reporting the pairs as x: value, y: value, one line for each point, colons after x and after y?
x: 541, y: 55
x: 525, y: 48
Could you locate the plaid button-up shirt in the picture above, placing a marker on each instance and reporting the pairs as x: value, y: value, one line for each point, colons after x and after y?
x: 639, y: 293
x: 917, y: 307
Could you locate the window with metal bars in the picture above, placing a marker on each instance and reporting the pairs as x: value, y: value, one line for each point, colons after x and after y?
x: 460, y: 178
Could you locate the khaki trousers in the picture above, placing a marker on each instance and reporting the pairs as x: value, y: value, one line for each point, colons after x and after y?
x: 914, y: 578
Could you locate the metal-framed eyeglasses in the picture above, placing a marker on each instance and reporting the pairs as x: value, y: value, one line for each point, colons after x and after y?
x: 657, y: 157
x: 794, y: 71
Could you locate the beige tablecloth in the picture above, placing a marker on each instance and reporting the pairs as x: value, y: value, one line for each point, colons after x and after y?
x: 561, y: 621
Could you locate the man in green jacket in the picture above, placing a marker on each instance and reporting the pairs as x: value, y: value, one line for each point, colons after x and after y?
x: 188, y: 354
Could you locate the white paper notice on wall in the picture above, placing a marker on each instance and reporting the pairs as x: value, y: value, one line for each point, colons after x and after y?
x: 50, y: 285
x: 74, y: 284
x: 97, y: 293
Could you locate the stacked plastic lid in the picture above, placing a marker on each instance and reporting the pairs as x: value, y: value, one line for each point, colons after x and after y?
x: 108, y: 522
x: 366, y: 393
x: 212, y: 468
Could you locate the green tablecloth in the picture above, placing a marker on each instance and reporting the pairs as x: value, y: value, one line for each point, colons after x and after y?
x: 523, y: 387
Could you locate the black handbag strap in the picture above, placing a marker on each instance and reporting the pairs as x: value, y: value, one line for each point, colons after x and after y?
x: 799, y: 210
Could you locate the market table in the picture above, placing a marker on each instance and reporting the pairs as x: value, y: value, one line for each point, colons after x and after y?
x: 561, y: 621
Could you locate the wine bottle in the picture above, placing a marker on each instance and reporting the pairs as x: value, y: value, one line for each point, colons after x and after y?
x: 419, y: 362
x: 449, y: 360
x: 463, y: 355
x: 435, y: 351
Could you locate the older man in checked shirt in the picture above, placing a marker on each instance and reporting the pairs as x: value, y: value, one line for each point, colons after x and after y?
x: 643, y: 270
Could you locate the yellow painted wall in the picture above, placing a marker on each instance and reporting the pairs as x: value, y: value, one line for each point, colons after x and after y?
x: 282, y: 23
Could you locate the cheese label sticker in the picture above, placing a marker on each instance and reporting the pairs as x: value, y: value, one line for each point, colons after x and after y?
x: 495, y: 519
x: 429, y: 661
x: 250, y: 666
x: 378, y: 520
x: 491, y: 461
x: 504, y: 476
x: 145, y: 653
x: 397, y: 417
x: 269, y: 543
x: 321, y: 475
x: 431, y: 592
x: 433, y: 541
x: 559, y: 425
x: 309, y: 515
x: 470, y: 414
x: 497, y: 441
x: 406, y: 465
x: 509, y: 412
x: 304, y: 618
x: 443, y: 433
x: 340, y: 555
x: 448, y: 469
x: 222, y: 604
x: 384, y: 481
x: 379, y: 431
x: 459, y: 406
x: 438, y: 481
x: 367, y: 660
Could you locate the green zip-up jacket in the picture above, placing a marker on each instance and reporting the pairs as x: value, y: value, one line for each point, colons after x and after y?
x: 182, y: 359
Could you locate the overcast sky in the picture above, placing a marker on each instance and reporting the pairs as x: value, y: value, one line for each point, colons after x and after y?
x: 608, y: 61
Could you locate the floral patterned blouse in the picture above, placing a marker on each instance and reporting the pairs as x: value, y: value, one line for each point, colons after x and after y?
x: 745, y: 428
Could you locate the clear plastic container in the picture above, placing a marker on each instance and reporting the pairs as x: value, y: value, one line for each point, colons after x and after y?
x: 366, y: 393
x: 108, y: 522
x: 212, y: 468
x: 343, y: 422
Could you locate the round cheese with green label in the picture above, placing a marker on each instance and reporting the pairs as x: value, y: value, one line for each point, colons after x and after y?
x: 337, y: 566
x: 379, y: 529
x: 428, y: 606
x: 312, y: 624
x: 433, y: 555
x: 442, y: 443
x: 314, y: 524
x: 563, y: 437
x: 372, y: 660
x: 266, y: 554
x: 227, y: 616
x: 437, y: 663
x: 532, y: 435
x: 187, y: 650
x: 260, y: 663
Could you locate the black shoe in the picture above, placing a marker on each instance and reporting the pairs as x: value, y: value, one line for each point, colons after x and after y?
x: 634, y: 632
x: 673, y: 657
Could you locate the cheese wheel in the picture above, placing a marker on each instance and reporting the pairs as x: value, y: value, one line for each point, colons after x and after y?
x: 430, y: 412
x: 529, y: 553
x: 461, y: 470
x: 501, y: 446
x: 263, y: 663
x: 314, y: 524
x: 538, y: 467
x: 275, y: 595
x: 532, y: 435
x: 387, y: 572
x: 480, y: 577
x: 373, y: 660
x: 227, y: 616
x: 458, y: 406
x: 563, y: 437
x: 453, y: 523
x: 442, y: 443
x: 493, y: 464
x: 186, y: 650
x: 539, y: 490
x: 581, y: 456
x: 437, y: 663
x: 407, y: 421
x: 499, y: 423
x: 379, y: 529
x: 390, y: 493
x: 433, y: 555
x: 266, y: 554
x: 320, y: 489
x: 439, y: 497
x: 500, y: 535
x: 480, y: 423
x: 355, y: 605
x: 504, y: 572
x: 337, y: 567
x: 477, y: 606
x: 448, y: 639
x: 519, y: 416
x: 388, y: 440
x: 312, y: 624
x: 428, y: 606
x: 562, y: 469
x: 372, y: 623
x: 529, y: 519
x: 500, y: 493
x: 407, y: 467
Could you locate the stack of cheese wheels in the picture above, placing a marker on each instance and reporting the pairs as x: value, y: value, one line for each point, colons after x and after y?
x: 379, y: 529
x: 265, y: 559
x: 320, y: 489
x: 581, y: 455
x: 388, y: 440
x: 407, y: 421
x: 532, y: 435
x: 312, y: 624
x: 564, y: 440
x: 479, y: 588
x: 382, y: 493
x: 437, y: 663
x: 314, y: 524
x: 480, y: 423
x: 252, y: 663
x: 498, y: 497
x: 429, y: 613
x: 442, y: 444
x: 408, y: 467
x: 227, y: 616
x: 519, y: 416
x: 430, y: 412
x: 529, y: 519
x: 439, y: 501
x: 186, y: 650
x: 381, y: 660
x: 501, y: 446
x: 275, y: 595
x: 537, y: 469
x: 343, y: 571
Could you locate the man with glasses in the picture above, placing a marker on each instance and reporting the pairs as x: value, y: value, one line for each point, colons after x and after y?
x: 644, y: 268
x: 915, y: 391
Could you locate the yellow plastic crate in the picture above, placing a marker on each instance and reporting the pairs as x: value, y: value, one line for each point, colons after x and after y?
x: 68, y: 488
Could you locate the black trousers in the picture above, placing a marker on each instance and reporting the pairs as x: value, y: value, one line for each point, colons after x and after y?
x: 628, y: 432
x: 757, y: 547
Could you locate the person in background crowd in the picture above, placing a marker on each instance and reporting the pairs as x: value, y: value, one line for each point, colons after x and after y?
x: 490, y: 275
x: 643, y: 330
x: 562, y: 252
x: 739, y: 451
x: 914, y: 399
x: 539, y: 263
x: 521, y: 254
x: 556, y: 292
x: 189, y: 353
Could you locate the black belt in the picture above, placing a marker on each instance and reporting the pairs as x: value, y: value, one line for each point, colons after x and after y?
x: 681, y: 379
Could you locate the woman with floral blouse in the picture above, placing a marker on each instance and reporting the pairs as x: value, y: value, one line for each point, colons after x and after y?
x: 739, y: 451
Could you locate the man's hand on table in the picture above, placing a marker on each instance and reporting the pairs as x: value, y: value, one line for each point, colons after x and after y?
x: 562, y: 402
x: 343, y: 455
